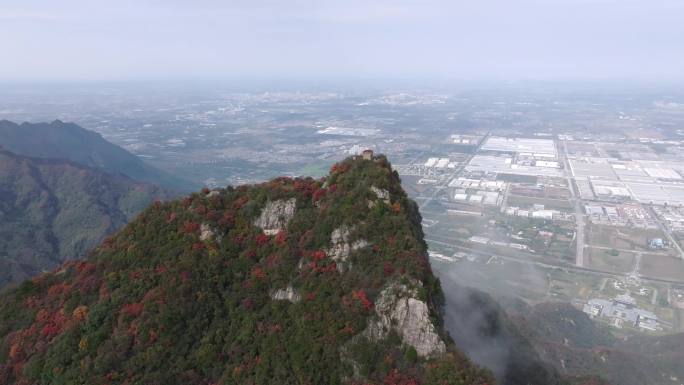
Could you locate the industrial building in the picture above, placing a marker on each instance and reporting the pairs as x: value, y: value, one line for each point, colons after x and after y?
x: 622, y: 310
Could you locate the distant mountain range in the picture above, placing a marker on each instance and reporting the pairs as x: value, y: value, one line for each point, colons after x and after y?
x: 53, y: 210
x: 59, y: 140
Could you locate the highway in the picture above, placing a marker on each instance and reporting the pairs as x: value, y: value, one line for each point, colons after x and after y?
x: 548, y: 265
x: 579, y: 214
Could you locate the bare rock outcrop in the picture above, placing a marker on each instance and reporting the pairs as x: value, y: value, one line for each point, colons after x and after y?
x: 341, y: 246
x: 286, y: 294
x: 206, y: 233
x: 398, y: 308
x: 382, y: 194
x: 275, y: 215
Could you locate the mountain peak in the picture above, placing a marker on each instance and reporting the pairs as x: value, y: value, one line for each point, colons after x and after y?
x: 290, y: 281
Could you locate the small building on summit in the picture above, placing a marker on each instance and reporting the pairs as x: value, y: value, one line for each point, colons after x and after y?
x: 367, y: 154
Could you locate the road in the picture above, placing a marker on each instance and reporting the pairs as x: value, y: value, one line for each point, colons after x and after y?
x: 549, y: 265
x: 579, y: 215
x: 504, y: 201
x: 626, y: 250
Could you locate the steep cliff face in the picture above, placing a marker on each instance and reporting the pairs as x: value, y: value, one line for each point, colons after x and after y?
x: 275, y: 215
x: 398, y: 309
x: 341, y: 247
x: 290, y: 281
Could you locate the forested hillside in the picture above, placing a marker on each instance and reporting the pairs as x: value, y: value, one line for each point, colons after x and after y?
x: 54, y: 210
x: 294, y: 281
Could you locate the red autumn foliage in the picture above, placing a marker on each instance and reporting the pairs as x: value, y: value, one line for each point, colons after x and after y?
x: 42, y: 316
x: 135, y: 275
x: 318, y: 255
x: 161, y: 269
x: 251, y: 254
x: 15, y: 352
x: 191, y: 227
x: 361, y: 296
x: 388, y: 268
x: 396, y: 378
x: 262, y: 239
x: 87, y: 283
x: 318, y: 194
x: 258, y: 273
x: 58, y: 288
x: 339, y: 168
x: 85, y: 267
x: 281, y: 238
x: 332, y: 188
x: 212, y: 215
x: 32, y: 302
x: 322, y: 268
x: 228, y: 219
x: 332, y: 267
x: 248, y: 303
x: 132, y: 309
x: 187, y: 201
x: 198, y: 246
x: 50, y: 330
x: 240, y: 202
x: 108, y: 243
x: 396, y: 207
x: 201, y: 209
x: 205, y: 190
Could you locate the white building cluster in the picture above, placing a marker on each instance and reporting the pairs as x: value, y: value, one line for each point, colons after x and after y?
x: 622, y: 310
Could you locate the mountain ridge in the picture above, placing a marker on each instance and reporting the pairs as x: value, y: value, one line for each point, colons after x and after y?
x: 54, y: 210
x: 69, y: 141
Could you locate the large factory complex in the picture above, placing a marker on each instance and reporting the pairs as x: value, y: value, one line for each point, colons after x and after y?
x: 613, y: 208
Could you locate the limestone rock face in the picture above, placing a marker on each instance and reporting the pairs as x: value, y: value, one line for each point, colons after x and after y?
x: 287, y: 294
x: 381, y: 194
x: 206, y: 233
x: 275, y: 215
x: 341, y: 247
x: 398, y: 309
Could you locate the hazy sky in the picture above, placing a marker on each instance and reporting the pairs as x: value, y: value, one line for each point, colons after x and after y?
x: 475, y: 39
